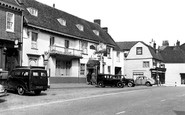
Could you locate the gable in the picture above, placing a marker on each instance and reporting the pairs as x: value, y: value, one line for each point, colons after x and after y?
x: 145, y: 52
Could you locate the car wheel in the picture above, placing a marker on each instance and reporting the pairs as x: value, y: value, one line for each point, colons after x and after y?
x: 130, y: 84
x: 120, y: 85
x: 100, y: 84
x: 148, y: 84
x: 37, y: 92
x: 20, y: 90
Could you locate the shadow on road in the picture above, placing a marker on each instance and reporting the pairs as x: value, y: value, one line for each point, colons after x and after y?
x: 28, y: 93
x: 180, y: 112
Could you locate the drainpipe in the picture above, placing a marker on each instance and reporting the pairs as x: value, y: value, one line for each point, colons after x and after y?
x: 21, y: 52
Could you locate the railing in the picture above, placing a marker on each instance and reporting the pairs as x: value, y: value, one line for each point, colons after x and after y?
x: 65, y: 51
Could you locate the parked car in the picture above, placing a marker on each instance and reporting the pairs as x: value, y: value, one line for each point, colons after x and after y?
x: 109, y: 80
x: 3, y: 90
x: 27, y: 79
x: 127, y: 81
x: 143, y: 80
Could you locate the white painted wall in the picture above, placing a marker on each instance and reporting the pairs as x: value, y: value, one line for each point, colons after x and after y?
x: 173, y: 73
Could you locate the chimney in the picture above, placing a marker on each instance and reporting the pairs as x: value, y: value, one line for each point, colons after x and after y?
x: 165, y: 43
x: 97, y: 21
x: 178, y: 43
x: 105, y: 29
x: 53, y: 5
x: 154, y: 45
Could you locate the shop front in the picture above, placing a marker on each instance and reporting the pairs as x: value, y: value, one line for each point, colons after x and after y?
x: 158, y: 74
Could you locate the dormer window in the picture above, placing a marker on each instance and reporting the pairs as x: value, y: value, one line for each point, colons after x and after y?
x: 62, y: 21
x: 33, y: 11
x: 80, y: 27
x: 96, y: 32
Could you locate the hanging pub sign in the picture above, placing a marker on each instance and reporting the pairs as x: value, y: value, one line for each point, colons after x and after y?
x: 101, y: 48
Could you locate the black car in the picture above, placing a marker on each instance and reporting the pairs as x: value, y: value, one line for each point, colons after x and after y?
x: 109, y: 80
x: 28, y: 78
x: 128, y: 81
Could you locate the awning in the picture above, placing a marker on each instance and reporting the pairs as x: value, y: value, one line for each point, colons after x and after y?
x: 93, y: 63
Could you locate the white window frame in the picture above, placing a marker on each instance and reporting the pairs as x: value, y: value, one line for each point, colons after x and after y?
x: 33, y: 11
x: 62, y: 21
x: 96, y: 32
x: 80, y: 27
x: 34, y: 43
x: 146, y: 64
x: 9, y: 27
x: 84, y: 47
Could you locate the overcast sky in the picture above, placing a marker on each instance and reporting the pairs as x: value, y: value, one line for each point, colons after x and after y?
x: 132, y: 20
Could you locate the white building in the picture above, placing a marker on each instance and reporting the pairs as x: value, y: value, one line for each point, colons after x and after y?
x: 142, y: 59
x: 64, y: 43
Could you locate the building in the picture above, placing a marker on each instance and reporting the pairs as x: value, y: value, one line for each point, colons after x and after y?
x: 11, y: 21
x: 63, y: 43
x: 142, y: 59
x: 174, y: 59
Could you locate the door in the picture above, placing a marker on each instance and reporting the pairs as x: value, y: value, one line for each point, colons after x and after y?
x: 39, y: 78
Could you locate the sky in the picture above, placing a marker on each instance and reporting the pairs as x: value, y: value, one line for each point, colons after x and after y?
x: 132, y: 20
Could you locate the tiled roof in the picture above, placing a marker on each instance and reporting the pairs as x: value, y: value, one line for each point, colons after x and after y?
x: 47, y: 19
x: 12, y: 3
x: 173, y: 54
x: 127, y: 45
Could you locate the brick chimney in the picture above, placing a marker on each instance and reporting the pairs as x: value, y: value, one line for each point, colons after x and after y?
x: 53, y: 5
x: 97, y: 21
x: 178, y: 43
x: 105, y: 29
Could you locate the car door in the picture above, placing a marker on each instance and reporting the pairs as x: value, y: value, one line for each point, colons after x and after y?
x: 39, y: 78
x: 138, y: 80
x: 144, y: 79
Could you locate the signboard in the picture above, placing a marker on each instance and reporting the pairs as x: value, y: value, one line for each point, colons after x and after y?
x: 101, y: 48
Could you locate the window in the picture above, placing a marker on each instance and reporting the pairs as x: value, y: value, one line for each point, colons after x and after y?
x: 109, y: 69
x: 9, y: 22
x: 52, y: 41
x: 34, y: 38
x: 139, y: 51
x: 80, y: 27
x: 33, y: 11
x: 118, y: 56
x: 33, y: 61
x: 82, y: 69
x: 96, y: 32
x: 66, y: 43
x: 62, y: 21
x: 84, y: 47
x: 146, y: 64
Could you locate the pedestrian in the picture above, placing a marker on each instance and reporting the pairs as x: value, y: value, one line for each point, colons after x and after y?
x: 93, y: 78
x: 89, y: 76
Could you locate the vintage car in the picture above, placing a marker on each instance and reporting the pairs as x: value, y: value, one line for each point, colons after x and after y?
x: 128, y: 81
x: 109, y: 80
x: 143, y: 80
x: 27, y: 79
x: 3, y: 90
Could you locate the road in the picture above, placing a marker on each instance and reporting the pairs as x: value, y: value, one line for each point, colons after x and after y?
x: 150, y: 101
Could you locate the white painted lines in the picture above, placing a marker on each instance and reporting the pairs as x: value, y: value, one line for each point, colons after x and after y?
x: 163, y: 100
x: 122, y: 112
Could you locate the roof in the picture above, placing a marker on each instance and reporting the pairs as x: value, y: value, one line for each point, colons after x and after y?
x: 47, y: 19
x: 127, y: 45
x: 12, y: 3
x: 173, y: 54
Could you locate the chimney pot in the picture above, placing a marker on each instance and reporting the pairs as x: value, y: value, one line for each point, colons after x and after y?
x: 97, y: 21
x: 105, y: 29
x: 53, y: 5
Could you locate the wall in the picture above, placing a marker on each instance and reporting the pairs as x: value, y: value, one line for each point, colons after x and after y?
x: 173, y: 73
